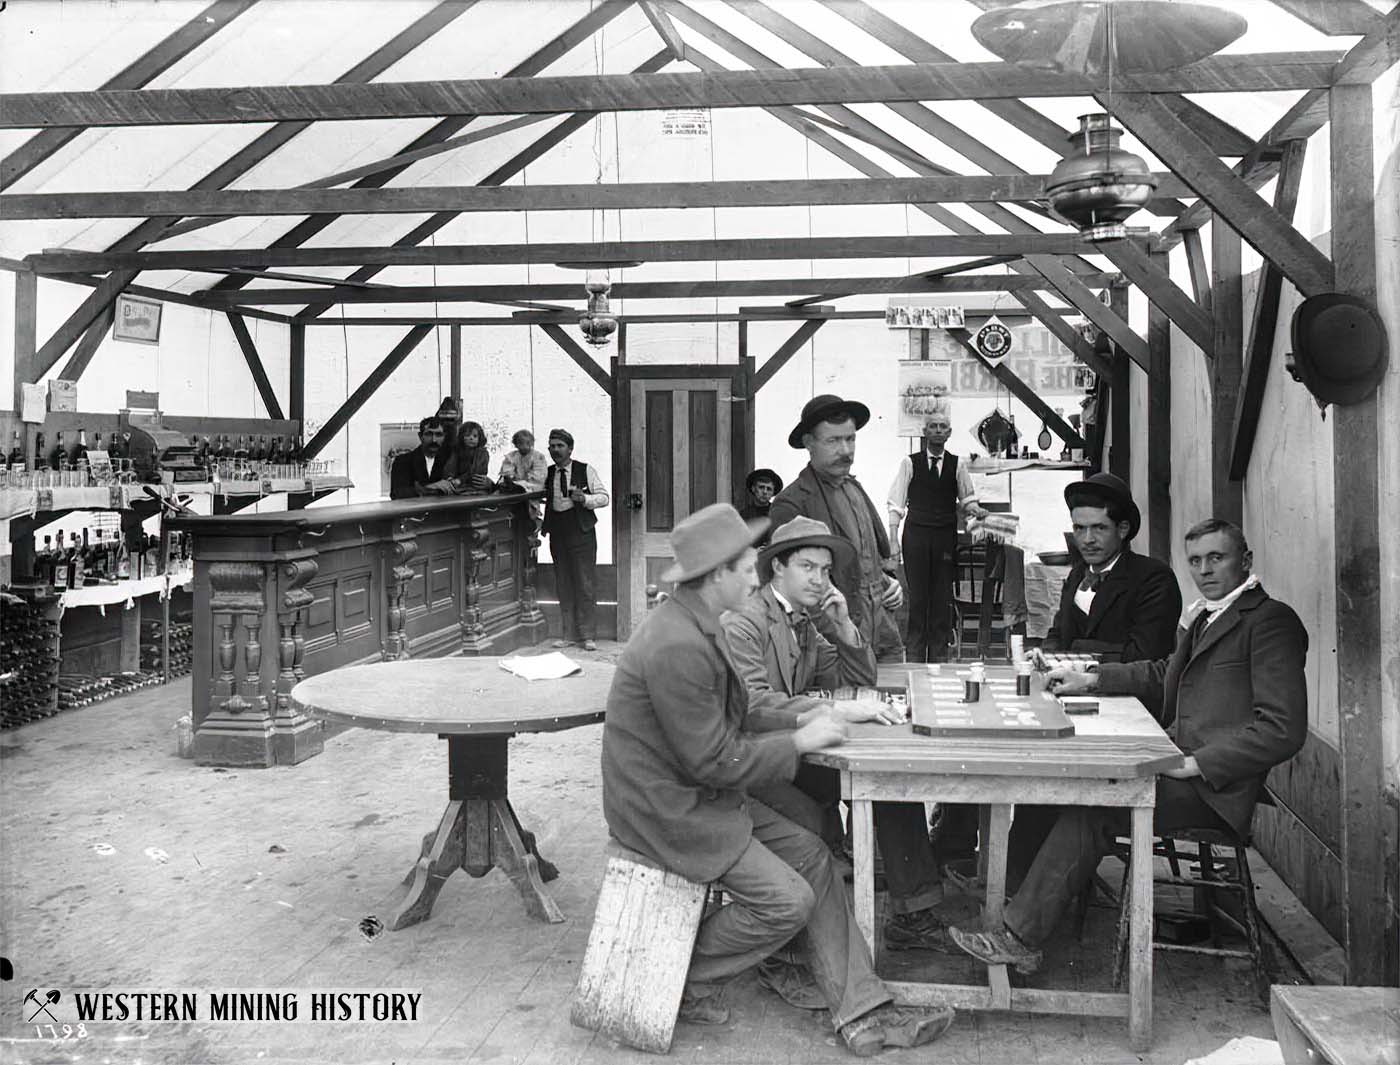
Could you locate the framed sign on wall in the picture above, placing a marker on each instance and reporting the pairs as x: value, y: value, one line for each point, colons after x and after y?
x: 136, y: 320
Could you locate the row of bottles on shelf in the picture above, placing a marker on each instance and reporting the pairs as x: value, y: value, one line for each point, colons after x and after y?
x: 28, y: 662
x: 97, y: 560
x: 65, y: 456
x: 242, y: 456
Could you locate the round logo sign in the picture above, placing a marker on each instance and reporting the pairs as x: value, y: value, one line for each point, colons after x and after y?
x: 993, y: 340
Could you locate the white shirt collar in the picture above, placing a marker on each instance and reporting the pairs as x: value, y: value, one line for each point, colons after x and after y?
x: 782, y: 602
x: 1113, y: 562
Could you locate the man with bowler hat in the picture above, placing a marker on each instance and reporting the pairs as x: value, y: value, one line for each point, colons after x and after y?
x: 1115, y: 603
x: 761, y: 485
x: 826, y: 492
x: 678, y: 773
x: 573, y: 491
x: 794, y: 636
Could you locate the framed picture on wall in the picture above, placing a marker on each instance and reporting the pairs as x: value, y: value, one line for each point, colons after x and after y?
x: 136, y: 320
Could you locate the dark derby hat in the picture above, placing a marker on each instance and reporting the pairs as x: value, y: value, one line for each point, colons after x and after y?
x: 827, y: 408
x: 763, y: 474
x: 1339, y: 348
x: 1099, y: 490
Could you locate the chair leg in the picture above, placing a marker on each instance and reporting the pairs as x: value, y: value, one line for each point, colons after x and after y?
x: 1206, y: 893
x: 1173, y: 860
x: 1251, y: 923
x: 1120, y: 943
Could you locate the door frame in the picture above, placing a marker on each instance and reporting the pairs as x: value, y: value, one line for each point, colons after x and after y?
x: 740, y: 376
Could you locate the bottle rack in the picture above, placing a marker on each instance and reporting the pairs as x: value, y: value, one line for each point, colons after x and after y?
x: 181, y: 645
x: 28, y: 659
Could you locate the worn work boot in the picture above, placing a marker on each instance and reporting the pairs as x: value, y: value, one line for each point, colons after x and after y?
x: 702, y: 1007
x: 998, y: 948
x: 919, y: 930
x: 792, y: 982
x: 915, y: 1026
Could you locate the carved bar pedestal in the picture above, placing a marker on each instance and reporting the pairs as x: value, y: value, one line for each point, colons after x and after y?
x: 239, y: 728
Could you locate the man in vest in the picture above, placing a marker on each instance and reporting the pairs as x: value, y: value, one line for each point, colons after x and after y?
x: 573, y: 491
x: 826, y: 492
x: 931, y: 490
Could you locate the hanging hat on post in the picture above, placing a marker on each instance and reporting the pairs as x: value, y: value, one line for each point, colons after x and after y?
x: 449, y: 407
x: 1339, y: 348
x: 1101, y: 489
x: 802, y: 532
x: 763, y: 474
x: 826, y: 408
x: 709, y: 538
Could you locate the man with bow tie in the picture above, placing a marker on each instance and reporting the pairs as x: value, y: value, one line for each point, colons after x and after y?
x: 795, y: 635
x: 1116, y: 604
x: 1232, y: 696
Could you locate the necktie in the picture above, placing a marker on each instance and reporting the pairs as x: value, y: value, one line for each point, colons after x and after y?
x: 801, y: 629
x: 1197, y: 627
x: 1091, y: 580
x: 563, y: 482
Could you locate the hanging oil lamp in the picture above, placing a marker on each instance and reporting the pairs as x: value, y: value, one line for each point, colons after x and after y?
x: 597, y: 323
x: 1099, y: 185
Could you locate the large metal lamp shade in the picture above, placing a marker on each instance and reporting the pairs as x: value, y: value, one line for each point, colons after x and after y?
x: 1098, y: 185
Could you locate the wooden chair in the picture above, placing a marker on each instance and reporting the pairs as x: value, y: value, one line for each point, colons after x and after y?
x: 977, y: 603
x: 1212, y: 874
x: 633, y: 972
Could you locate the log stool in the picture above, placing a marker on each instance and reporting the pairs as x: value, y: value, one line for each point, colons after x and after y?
x: 1214, y: 874
x: 633, y: 973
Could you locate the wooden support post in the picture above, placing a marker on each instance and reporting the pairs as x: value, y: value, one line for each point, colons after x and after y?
x: 455, y: 363
x: 1159, y: 428
x: 1366, y: 834
x: 1196, y: 264
x: 100, y: 300
x: 1227, y: 306
x: 255, y: 365
x: 1120, y: 398
x: 368, y: 387
x: 26, y: 338
x: 296, y: 373
x: 789, y: 348
x: 582, y: 359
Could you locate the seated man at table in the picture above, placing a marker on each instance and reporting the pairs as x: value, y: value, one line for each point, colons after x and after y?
x: 1232, y: 696
x: 677, y: 771
x: 1115, y: 603
x: 424, y: 470
x: 794, y: 636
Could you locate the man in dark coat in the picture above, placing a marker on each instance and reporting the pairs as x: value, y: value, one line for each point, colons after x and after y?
x: 1234, y: 699
x: 1116, y: 604
x: 677, y: 769
x: 424, y: 470
x: 573, y: 491
x: 826, y: 492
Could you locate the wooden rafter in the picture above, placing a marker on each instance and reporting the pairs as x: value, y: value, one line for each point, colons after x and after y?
x: 665, y: 28
x: 101, y: 298
x: 87, y: 346
x: 135, y: 75
x: 1336, y: 18
x: 357, y: 399
x: 702, y: 289
x: 255, y: 365
x: 581, y: 358
x: 170, y: 296
x: 1196, y: 267
x: 1053, y: 319
x: 1227, y: 284
x: 270, y: 140
x: 1018, y: 388
x: 1228, y: 194
x: 232, y: 203
x: 743, y: 314
x: 1076, y: 292
x: 1259, y: 346
x: 1158, y: 287
x: 789, y: 347
x: 995, y: 247
x: 1264, y: 72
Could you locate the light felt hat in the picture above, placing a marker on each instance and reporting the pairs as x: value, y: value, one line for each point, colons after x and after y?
x: 709, y: 538
x: 802, y: 532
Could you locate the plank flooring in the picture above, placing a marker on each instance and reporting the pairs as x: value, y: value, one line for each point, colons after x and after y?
x: 267, y: 874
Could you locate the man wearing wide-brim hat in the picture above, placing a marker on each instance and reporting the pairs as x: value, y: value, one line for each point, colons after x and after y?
x: 678, y: 768
x: 1115, y: 603
x: 795, y: 636
x: 761, y: 485
x: 826, y: 492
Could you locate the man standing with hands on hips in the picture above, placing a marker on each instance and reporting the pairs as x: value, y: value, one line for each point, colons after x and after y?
x: 573, y: 491
x: 826, y: 492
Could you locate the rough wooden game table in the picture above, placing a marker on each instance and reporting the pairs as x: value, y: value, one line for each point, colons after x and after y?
x: 1112, y: 760
x: 476, y: 706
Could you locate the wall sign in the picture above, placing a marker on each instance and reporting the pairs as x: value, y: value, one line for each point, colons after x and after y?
x: 993, y: 340
x: 136, y: 320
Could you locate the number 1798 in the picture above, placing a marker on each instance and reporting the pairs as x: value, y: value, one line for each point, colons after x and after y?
x: 61, y: 1031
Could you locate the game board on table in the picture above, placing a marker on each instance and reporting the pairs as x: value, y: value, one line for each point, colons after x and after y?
x: 937, y: 709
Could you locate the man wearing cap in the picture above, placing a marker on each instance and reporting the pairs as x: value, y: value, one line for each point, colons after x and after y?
x: 826, y: 492
x: 678, y: 768
x: 794, y: 636
x: 1232, y: 696
x: 573, y: 491
x: 424, y: 470
x: 1115, y: 603
x: 762, y: 485
x: 931, y: 492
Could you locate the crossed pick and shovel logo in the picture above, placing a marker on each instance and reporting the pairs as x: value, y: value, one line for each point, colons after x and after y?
x: 42, y: 1002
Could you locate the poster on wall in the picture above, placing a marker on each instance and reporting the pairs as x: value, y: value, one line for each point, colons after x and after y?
x: 923, y: 384
x: 908, y: 313
x: 1036, y: 356
x: 394, y: 439
x: 136, y: 320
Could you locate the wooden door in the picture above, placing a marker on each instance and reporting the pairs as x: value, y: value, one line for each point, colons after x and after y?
x: 687, y: 437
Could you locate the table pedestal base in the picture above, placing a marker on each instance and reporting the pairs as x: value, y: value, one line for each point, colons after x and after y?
x: 478, y: 832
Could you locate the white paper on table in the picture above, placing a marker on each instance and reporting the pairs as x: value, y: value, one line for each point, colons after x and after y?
x: 1243, y: 1050
x: 552, y: 666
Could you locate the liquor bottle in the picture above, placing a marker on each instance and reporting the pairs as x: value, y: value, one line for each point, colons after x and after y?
x: 120, y: 448
x: 77, y: 574
x: 92, y: 557
x: 122, y: 568
x: 241, y: 450
x: 258, y: 451
x: 43, y: 559
x: 39, y: 461
x: 58, y: 458
x: 58, y: 565
x: 16, y: 457
x: 80, y: 449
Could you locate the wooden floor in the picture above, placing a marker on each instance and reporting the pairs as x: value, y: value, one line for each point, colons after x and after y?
x: 124, y: 866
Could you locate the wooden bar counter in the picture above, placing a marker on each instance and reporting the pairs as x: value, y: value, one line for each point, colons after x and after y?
x: 286, y: 595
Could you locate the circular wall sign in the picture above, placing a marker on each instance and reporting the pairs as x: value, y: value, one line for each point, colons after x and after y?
x: 993, y: 340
